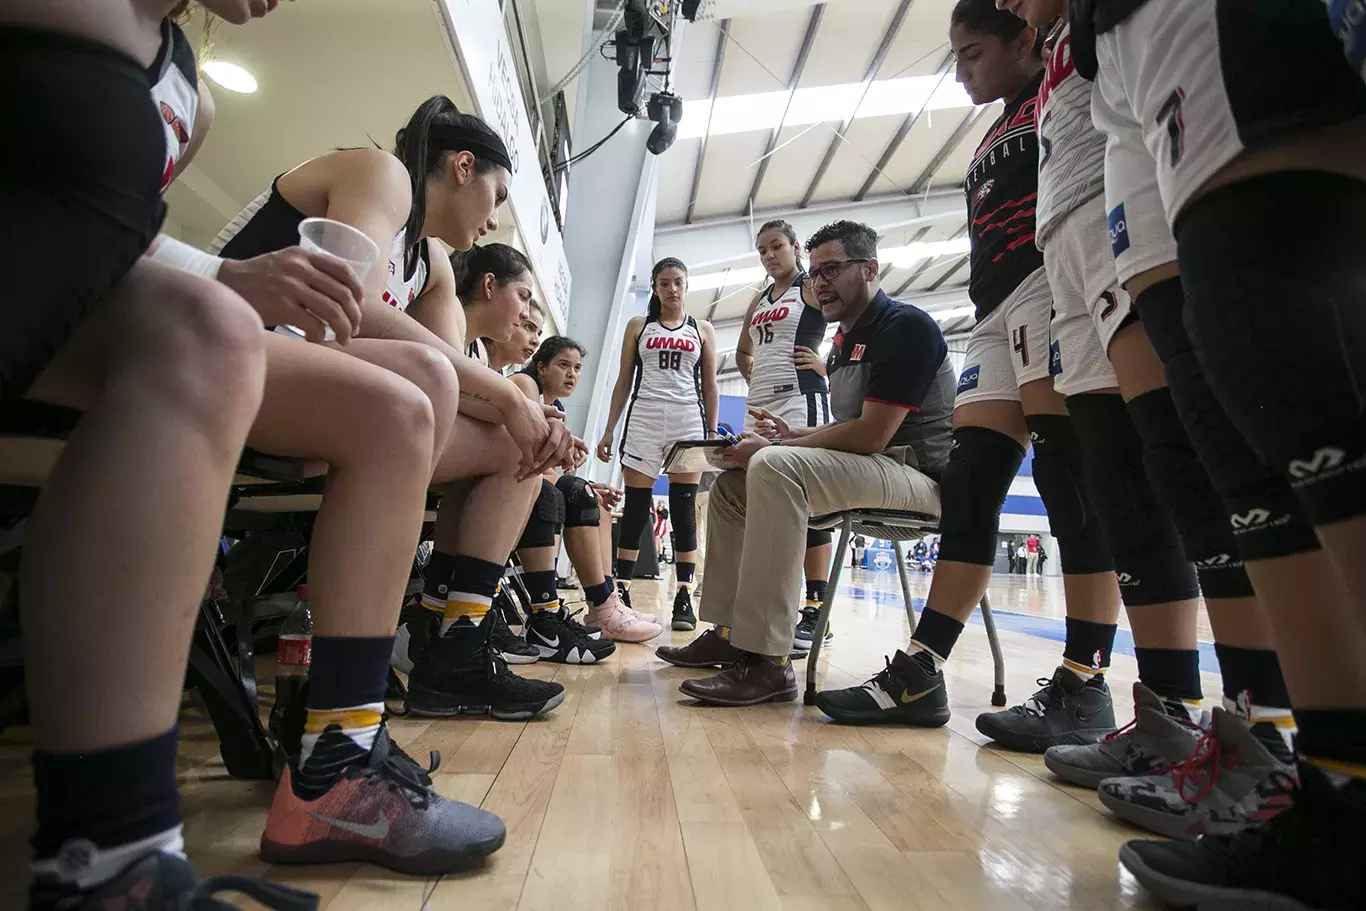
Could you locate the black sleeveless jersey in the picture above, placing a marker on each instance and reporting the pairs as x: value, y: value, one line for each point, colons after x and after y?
x: 1002, y: 188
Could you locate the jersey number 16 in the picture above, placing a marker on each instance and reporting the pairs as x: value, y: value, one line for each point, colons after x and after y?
x: 670, y: 360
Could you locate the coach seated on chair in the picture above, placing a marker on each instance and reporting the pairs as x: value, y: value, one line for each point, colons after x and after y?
x: 891, y: 394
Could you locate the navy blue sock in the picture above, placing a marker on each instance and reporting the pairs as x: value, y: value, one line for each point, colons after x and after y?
x: 934, y: 638
x: 1088, y: 646
x: 684, y: 572
x: 541, y: 586
x: 109, y: 797
x: 1173, y: 674
x: 598, y: 594
x: 815, y: 590
x: 626, y: 569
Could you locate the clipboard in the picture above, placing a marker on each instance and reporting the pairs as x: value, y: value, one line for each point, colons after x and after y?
x: 690, y: 456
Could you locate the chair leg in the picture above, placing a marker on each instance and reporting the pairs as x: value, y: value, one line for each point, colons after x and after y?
x: 998, y: 693
x: 818, y: 637
x: 905, y: 583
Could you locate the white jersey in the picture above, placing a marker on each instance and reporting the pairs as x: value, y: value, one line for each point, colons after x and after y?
x: 1071, y: 149
x: 175, y: 92
x: 669, y: 364
x: 777, y: 328
x: 400, y: 291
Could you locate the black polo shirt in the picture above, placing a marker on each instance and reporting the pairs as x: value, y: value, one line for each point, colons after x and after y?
x: 896, y: 354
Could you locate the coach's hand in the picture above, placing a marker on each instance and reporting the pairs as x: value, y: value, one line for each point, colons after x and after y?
x: 768, y: 425
x: 738, y: 456
x: 605, y: 447
x: 293, y: 287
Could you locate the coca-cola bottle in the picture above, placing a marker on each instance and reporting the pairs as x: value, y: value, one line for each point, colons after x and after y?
x: 292, y: 657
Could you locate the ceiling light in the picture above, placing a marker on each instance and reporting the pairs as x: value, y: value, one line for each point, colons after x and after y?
x: 944, y: 316
x: 903, y: 257
x: 230, y: 76
x: 834, y: 103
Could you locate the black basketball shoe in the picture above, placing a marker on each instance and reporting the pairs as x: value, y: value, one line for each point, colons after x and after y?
x: 1306, y: 857
x: 1067, y: 710
x: 557, y: 636
x: 165, y: 882
x: 806, y: 629
x: 462, y: 673
x: 513, y: 648
x: 624, y: 591
x: 907, y: 691
x: 411, y: 640
x: 684, y: 618
x: 507, y: 606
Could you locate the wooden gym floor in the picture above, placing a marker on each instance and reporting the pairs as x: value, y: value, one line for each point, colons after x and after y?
x: 630, y: 796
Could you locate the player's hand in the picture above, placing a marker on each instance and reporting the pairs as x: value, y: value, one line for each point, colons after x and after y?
x: 608, y: 496
x: 293, y: 287
x: 806, y: 359
x: 768, y: 425
x: 579, y: 455
x: 605, y: 447
x: 738, y: 456
x: 557, y: 450
x: 526, y: 423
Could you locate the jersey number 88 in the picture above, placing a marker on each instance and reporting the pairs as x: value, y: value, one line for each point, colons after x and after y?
x: 670, y: 360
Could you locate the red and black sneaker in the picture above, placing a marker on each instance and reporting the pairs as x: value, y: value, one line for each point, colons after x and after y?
x: 166, y: 882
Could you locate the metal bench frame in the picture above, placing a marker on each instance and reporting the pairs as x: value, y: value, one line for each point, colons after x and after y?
x: 895, y: 526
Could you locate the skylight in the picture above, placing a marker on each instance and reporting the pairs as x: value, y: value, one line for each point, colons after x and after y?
x: 764, y: 110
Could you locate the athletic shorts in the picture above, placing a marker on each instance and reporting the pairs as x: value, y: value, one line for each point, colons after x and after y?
x: 1088, y: 304
x: 1140, y: 238
x: 807, y: 409
x: 81, y: 165
x: 1010, y: 347
x: 651, y: 428
x: 1204, y: 80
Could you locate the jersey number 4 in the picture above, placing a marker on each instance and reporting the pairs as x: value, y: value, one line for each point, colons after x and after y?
x: 670, y: 360
x: 1176, y: 124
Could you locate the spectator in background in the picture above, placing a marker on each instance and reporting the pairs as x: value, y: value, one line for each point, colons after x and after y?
x: 1032, y: 554
x: 860, y: 546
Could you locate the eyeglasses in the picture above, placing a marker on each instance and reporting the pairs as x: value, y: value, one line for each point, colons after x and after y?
x: 831, y: 270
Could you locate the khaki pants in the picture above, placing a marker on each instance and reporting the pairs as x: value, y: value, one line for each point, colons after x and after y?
x: 756, y: 535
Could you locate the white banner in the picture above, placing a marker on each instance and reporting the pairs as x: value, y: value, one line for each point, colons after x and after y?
x: 481, y: 44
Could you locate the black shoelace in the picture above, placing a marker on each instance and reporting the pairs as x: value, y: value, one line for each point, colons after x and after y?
x: 810, y: 615
x: 388, y: 763
x: 577, y: 630
x: 1051, y: 692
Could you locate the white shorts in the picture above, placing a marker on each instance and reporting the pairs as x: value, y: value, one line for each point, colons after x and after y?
x: 1139, y: 236
x: 1203, y: 80
x: 1088, y: 304
x: 807, y: 409
x: 1010, y: 347
x: 651, y: 428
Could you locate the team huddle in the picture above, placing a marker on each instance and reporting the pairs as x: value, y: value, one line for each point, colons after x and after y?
x: 1155, y: 201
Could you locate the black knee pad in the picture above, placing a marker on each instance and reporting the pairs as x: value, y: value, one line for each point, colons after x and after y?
x: 546, y: 520
x: 1149, y: 560
x: 683, y: 513
x: 635, y: 515
x: 816, y: 538
x: 1183, y: 485
x: 580, y: 503
x: 1060, y: 477
x: 1261, y: 513
x: 1253, y: 254
x: 982, y: 463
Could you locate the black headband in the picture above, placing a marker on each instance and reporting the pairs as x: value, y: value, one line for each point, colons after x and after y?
x: 480, y: 144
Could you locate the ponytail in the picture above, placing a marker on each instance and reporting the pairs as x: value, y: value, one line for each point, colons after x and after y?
x: 436, y: 129
x: 654, y: 310
x: 506, y: 264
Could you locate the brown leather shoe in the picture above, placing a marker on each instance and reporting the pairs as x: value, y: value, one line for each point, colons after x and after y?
x: 751, y: 680
x: 707, y: 650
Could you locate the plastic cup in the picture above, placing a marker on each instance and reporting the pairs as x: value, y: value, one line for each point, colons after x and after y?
x: 339, y: 241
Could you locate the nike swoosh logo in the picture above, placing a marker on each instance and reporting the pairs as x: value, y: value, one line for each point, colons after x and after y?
x: 378, y: 830
x: 553, y: 643
x: 1087, y: 716
x: 907, y: 698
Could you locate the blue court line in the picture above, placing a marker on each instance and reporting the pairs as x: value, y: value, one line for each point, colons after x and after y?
x: 1053, y: 629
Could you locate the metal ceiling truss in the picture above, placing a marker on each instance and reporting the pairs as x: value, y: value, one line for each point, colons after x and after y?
x: 722, y: 31
x: 812, y: 26
x: 902, y: 132
x: 947, y: 149
x: 926, y: 265
x: 893, y: 28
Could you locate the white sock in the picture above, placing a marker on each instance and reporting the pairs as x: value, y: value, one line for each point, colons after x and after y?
x: 915, y: 648
x: 359, y: 722
x: 85, y: 866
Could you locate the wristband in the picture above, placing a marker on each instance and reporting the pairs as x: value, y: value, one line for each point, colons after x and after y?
x: 183, y: 256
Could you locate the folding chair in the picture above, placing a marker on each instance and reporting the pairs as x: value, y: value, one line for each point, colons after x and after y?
x: 896, y: 526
